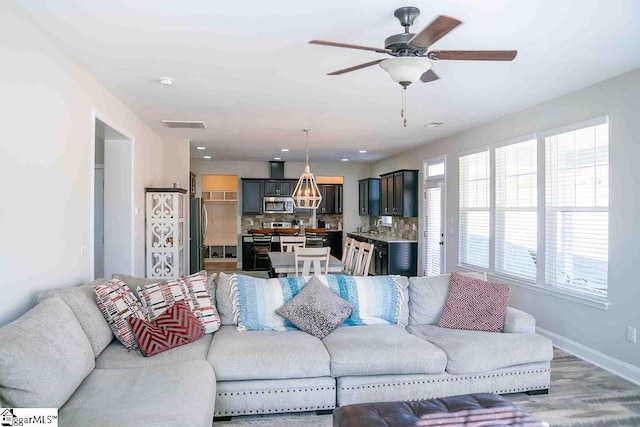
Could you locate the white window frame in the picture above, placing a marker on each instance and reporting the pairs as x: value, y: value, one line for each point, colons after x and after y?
x: 461, y: 209
x: 540, y: 285
x: 592, y: 296
x: 494, y: 204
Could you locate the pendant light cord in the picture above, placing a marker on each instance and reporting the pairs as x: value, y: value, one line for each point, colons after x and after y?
x: 306, y: 131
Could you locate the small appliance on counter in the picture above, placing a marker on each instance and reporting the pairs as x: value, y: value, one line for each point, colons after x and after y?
x: 321, y: 223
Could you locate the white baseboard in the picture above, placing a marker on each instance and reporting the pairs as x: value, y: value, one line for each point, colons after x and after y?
x: 623, y: 369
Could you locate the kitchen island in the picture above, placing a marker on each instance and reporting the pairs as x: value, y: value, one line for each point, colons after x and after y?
x: 392, y: 255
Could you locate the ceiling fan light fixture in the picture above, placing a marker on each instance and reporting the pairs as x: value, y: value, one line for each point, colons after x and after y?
x: 406, y: 69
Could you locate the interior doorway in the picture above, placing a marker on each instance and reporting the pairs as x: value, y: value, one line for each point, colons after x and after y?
x: 434, y: 216
x: 112, y: 202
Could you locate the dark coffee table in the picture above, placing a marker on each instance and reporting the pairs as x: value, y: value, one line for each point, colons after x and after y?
x: 480, y: 409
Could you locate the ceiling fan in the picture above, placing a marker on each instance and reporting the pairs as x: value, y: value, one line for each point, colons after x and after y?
x: 410, y: 52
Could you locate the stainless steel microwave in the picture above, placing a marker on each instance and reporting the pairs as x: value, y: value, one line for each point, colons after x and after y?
x: 277, y: 205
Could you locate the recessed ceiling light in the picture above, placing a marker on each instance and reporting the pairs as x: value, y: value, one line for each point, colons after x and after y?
x: 201, y: 148
x: 362, y: 151
x: 277, y: 158
x: 284, y: 150
x: 165, y: 81
x: 344, y: 159
x: 433, y: 124
x: 207, y: 157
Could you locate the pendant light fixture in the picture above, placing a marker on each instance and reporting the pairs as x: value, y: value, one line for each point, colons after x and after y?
x: 306, y: 195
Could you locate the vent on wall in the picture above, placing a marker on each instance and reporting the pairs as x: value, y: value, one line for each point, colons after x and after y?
x: 177, y: 124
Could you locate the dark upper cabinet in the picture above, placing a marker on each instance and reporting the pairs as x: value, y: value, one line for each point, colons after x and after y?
x: 369, y: 196
x: 279, y: 187
x: 331, y: 199
x: 399, y: 193
x: 252, y: 195
x: 386, y: 194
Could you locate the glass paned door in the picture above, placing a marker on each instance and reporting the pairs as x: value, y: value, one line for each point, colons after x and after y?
x: 434, y: 228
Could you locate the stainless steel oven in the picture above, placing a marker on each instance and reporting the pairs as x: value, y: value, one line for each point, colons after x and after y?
x: 277, y: 205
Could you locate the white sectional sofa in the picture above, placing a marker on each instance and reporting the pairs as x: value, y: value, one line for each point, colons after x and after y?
x: 63, y: 354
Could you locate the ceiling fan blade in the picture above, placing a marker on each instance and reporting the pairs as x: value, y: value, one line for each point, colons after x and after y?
x: 350, y: 46
x: 429, y: 76
x: 474, y: 55
x: 357, y: 67
x: 434, y: 31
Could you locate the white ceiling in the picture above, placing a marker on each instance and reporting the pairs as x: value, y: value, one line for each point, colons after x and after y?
x: 247, y: 71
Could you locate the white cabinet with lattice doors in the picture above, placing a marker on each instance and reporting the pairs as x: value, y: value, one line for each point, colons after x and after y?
x: 166, y: 232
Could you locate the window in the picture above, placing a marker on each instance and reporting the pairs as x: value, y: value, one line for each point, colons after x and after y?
x: 558, y: 239
x: 474, y: 209
x: 577, y: 208
x: 516, y: 210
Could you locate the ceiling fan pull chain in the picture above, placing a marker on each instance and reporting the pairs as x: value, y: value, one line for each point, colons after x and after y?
x: 403, y: 112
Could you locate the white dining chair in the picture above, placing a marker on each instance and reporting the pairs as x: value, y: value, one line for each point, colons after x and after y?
x: 309, y: 256
x: 347, y: 256
x: 288, y: 243
x: 363, y: 252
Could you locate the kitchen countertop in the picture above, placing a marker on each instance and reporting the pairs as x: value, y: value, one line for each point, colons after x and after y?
x: 379, y: 237
x: 331, y: 230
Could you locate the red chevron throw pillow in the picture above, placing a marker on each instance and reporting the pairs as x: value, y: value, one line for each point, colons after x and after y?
x: 176, y: 326
x: 475, y: 305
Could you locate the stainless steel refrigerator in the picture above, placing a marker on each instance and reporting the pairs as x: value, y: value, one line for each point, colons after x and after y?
x: 197, y: 232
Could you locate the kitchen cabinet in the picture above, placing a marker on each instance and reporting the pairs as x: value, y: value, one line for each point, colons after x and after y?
x: 391, y: 257
x: 369, y: 197
x: 331, y: 198
x: 399, y: 193
x: 252, y: 195
x: 279, y: 187
x: 166, y: 232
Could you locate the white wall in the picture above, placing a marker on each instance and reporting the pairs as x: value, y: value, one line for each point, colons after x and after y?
x: 292, y: 170
x: 46, y: 161
x: 592, y: 332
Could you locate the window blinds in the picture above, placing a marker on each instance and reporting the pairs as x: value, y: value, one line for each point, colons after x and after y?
x: 516, y: 210
x: 577, y: 208
x: 474, y: 209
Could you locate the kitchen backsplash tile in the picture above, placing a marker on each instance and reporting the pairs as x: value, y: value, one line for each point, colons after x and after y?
x: 402, y: 228
x: 333, y: 222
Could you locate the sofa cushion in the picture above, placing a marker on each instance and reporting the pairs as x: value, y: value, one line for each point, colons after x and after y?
x: 193, y: 289
x: 262, y: 355
x: 82, y: 301
x: 256, y: 300
x: 381, y: 350
x: 471, y: 352
x: 316, y: 309
x: 117, y: 303
x: 134, y: 282
x: 171, y: 395
x: 427, y: 297
x: 175, y: 327
x: 44, y: 356
x: 375, y: 299
x: 475, y: 305
x: 116, y: 356
x: 223, y: 298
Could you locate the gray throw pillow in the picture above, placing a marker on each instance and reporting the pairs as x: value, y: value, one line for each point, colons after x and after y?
x: 316, y: 309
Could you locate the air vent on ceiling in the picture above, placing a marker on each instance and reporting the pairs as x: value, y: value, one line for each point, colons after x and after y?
x: 178, y: 124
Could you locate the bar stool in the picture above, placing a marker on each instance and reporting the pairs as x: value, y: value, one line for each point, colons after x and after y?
x: 261, y: 245
x: 316, y: 237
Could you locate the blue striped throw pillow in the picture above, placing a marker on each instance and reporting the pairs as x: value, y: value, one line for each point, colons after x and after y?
x: 256, y: 300
x: 375, y: 299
